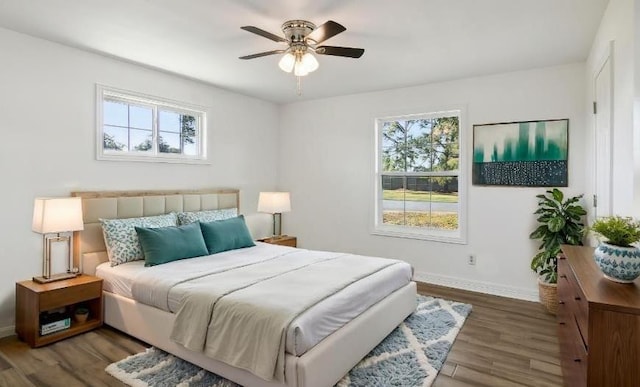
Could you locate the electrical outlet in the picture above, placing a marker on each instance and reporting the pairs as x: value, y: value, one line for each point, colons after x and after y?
x: 472, y: 259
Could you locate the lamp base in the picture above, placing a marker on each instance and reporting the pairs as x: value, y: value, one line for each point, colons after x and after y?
x: 55, y: 277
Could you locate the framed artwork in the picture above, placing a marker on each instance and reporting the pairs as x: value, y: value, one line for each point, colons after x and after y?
x: 527, y: 154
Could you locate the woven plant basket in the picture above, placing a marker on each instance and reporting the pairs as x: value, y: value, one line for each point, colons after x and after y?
x: 548, y: 296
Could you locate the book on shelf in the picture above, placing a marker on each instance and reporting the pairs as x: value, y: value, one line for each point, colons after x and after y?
x: 54, y: 321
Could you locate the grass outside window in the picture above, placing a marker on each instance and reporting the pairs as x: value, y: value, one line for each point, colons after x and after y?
x: 441, y: 221
x: 419, y: 196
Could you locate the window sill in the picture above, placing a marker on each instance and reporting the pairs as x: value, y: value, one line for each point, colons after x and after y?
x: 152, y: 159
x: 429, y: 235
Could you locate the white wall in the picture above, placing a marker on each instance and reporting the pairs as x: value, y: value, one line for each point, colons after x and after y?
x: 636, y: 111
x: 47, y: 126
x: 617, y: 25
x: 327, y: 162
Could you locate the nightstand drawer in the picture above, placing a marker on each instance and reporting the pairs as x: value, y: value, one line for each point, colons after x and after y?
x: 292, y: 242
x: 72, y: 295
x: 284, y: 240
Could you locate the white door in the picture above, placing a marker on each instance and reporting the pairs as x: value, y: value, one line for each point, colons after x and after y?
x: 603, y: 137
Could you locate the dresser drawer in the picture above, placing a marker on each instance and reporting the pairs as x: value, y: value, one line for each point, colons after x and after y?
x: 563, y: 266
x: 66, y: 296
x: 566, y: 307
x: 580, y: 307
x: 573, y: 355
x: 582, y: 316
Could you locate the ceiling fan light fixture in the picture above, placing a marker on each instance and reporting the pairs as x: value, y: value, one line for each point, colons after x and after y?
x: 303, y: 39
x: 310, y: 62
x: 287, y: 62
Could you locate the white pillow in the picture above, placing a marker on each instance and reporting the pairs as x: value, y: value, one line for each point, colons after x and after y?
x: 207, y: 215
x: 121, y: 239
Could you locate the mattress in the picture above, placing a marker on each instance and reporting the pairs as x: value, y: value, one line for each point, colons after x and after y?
x: 307, y: 329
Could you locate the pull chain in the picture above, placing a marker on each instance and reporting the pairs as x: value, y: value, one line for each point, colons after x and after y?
x: 299, y: 86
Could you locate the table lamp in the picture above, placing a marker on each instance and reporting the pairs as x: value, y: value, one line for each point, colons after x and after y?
x: 51, y: 217
x: 275, y: 203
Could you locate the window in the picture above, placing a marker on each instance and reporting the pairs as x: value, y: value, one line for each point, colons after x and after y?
x: 141, y: 128
x: 418, y: 177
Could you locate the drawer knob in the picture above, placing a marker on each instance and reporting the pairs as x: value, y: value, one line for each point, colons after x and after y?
x: 563, y: 276
x: 577, y: 360
x: 561, y: 323
x: 577, y: 298
x: 561, y: 302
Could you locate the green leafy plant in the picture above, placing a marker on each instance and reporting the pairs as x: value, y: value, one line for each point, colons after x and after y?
x: 560, y: 222
x: 617, y: 230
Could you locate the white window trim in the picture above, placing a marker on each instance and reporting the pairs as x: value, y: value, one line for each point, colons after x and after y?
x: 457, y: 237
x: 199, y: 112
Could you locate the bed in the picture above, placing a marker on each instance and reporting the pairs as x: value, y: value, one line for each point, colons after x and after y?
x: 322, y: 344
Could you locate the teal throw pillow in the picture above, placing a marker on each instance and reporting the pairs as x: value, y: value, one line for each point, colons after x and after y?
x: 166, y: 244
x: 228, y: 234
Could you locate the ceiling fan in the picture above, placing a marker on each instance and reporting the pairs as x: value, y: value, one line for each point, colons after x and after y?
x: 303, y: 39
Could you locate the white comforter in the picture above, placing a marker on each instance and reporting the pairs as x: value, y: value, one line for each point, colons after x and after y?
x: 304, y: 332
x: 241, y: 316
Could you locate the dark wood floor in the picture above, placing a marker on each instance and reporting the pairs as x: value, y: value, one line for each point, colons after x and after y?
x: 504, y: 342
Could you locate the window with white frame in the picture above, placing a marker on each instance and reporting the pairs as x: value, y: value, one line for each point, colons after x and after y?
x: 132, y: 126
x: 419, y: 180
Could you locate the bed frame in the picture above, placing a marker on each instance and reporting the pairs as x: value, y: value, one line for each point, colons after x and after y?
x: 321, y: 366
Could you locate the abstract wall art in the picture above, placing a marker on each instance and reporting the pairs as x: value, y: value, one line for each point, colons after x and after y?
x: 527, y: 154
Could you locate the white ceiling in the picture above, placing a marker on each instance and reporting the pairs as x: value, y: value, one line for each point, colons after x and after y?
x: 407, y: 42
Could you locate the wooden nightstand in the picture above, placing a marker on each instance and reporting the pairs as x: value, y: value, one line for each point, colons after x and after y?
x: 33, y: 298
x: 284, y: 240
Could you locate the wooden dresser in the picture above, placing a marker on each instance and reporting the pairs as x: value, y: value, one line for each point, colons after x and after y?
x: 598, y: 324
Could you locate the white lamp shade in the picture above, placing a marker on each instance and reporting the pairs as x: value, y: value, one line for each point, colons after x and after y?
x: 299, y: 69
x: 53, y: 215
x: 287, y: 62
x: 310, y: 62
x: 274, y: 202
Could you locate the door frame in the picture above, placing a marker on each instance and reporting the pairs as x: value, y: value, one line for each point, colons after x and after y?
x: 608, y: 55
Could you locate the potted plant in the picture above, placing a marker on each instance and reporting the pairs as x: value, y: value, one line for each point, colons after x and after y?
x: 559, y: 222
x: 616, y: 257
x: 81, y: 314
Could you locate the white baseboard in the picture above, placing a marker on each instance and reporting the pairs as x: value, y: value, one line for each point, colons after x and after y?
x: 477, y: 286
x: 7, y: 331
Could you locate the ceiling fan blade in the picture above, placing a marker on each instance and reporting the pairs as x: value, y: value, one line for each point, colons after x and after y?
x: 258, y: 55
x: 326, y: 31
x: 340, y: 51
x: 264, y: 33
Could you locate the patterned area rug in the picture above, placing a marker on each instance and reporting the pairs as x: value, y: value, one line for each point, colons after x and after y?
x: 410, y: 356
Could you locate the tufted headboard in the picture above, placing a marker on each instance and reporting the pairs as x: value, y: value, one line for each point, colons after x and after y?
x: 89, y: 249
